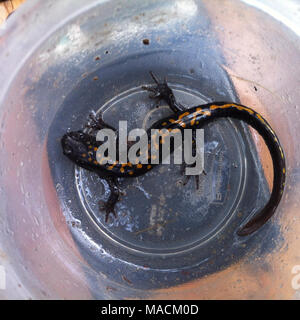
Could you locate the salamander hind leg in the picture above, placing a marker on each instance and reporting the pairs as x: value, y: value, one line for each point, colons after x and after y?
x: 197, y: 177
x: 162, y: 91
x: 109, y: 206
x: 186, y: 178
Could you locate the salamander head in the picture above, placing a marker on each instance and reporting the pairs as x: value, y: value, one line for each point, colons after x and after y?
x: 79, y: 148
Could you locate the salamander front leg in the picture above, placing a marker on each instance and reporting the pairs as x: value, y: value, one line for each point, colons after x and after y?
x: 96, y: 122
x: 163, y: 92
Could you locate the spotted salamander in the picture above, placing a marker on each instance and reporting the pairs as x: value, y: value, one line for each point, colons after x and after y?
x: 81, y: 147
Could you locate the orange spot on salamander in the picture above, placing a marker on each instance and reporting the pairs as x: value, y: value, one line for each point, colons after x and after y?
x: 232, y: 105
x: 223, y: 106
x: 196, y: 113
x: 183, y: 115
x: 181, y: 123
x: 244, y: 108
x: 194, y: 119
x: 261, y: 118
x: 200, y: 111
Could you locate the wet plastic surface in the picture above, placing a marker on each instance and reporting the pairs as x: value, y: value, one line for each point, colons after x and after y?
x: 166, y: 234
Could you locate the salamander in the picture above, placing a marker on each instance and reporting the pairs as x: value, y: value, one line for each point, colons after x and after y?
x: 81, y: 147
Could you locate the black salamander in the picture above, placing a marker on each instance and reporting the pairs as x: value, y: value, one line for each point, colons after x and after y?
x: 81, y: 147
